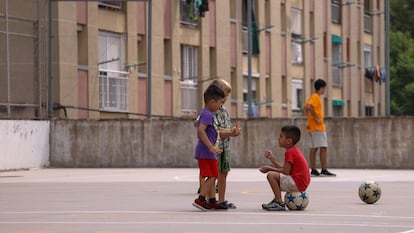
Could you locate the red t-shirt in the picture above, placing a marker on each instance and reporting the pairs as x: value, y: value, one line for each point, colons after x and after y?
x: 300, y: 168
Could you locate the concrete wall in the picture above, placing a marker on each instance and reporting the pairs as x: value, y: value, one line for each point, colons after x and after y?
x: 24, y: 144
x: 353, y: 142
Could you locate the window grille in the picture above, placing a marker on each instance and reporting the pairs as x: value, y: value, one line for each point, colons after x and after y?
x: 297, y: 94
x: 117, y: 5
x: 337, y: 61
x: 113, y: 80
x: 187, y: 13
x: 296, y: 51
x: 189, y: 87
x: 336, y: 11
x: 113, y: 90
x: 367, y: 23
x: 189, y: 98
x: 296, y: 21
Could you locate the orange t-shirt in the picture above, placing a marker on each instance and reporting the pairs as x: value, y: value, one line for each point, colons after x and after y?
x: 316, y: 103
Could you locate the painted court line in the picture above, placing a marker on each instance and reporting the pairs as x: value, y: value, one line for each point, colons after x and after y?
x: 215, y: 212
x: 296, y: 223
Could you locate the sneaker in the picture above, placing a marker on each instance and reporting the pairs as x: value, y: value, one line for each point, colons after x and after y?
x: 217, y: 206
x: 315, y: 172
x: 325, y: 172
x: 264, y: 206
x: 227, y: 204
x: 202, y: 205
x: 274, y: 206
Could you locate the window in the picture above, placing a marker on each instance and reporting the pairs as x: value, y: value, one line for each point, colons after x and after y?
x: 369, y: 110
x: 113, y: 80
x: 189, y: 72
x: 188, y: 14
x: 245, y: 45
x: 255, y: 112
x: 117, y: 5
x: 283, y: 17
x: 244, y: 12
x: 254, y: 32
x: 367, y: 16
x: 338, y: 107
x: 296, y: 51
x: 295, y: 21
x: 297, y: 95
x: 336, y: 61
x: 337, y: 111
x: 336, y: 11
x: 367, y: 56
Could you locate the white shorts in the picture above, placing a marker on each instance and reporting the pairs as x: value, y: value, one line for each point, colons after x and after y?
x: 318, y: 139
x: 287, y: 184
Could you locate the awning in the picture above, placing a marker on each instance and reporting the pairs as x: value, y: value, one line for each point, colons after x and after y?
x: 336, y: 39
x: 338, y: 103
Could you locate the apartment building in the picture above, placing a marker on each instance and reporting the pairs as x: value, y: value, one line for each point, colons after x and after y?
x: 143, y: 59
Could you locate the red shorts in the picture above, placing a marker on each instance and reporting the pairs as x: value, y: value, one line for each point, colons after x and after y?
x: 208, y: 167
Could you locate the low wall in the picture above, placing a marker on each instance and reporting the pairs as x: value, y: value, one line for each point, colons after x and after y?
x: 353, y: 142
x: 23, y: 144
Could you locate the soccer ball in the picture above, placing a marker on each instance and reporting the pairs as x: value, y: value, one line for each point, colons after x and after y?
x: 296, y: 200
x: 369, y: 192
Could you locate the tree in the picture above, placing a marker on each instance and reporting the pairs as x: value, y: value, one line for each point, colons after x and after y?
x: 402, y: 73
x: 402, y: 57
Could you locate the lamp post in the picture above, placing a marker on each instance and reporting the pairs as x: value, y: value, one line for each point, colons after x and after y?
x: 249, y: 59
x: 387, y: 58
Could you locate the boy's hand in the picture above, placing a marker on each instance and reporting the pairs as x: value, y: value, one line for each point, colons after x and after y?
x: 237, y: 129
x: 215, y: 150
x: 265, y: 169
x: 268, y: 154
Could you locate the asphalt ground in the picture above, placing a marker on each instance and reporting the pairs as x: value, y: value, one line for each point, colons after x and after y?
x: 160, y: 200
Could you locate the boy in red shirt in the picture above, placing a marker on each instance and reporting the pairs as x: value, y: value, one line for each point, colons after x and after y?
x: 293, y: 175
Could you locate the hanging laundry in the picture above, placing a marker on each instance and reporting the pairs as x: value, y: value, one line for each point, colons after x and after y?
x: 193, y: 10
x: 369, y: 73
x: 383, y: 75
x: 202, y: 6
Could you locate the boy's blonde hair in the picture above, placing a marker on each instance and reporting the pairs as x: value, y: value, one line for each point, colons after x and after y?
x: 222, y: 84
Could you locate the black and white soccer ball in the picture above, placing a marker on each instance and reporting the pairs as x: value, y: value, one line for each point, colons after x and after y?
x: 369, y: 192
x: 296, y: 200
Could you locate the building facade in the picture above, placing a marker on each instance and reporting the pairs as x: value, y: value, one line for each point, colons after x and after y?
x: 142, y: 59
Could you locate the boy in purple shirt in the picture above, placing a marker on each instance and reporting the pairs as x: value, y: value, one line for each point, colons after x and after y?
x: 206, y: 150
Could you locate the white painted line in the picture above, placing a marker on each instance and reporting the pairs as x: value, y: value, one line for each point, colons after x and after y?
x: 106, y: 222
x: 409, y: 231
x: 307, y: 214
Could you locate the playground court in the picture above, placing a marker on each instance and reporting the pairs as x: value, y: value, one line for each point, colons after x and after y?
x: 160, y: 200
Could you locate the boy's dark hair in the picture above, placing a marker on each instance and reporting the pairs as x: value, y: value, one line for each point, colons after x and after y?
x: 319, y: 83
x: 213, y: 93
x: 292, y: 132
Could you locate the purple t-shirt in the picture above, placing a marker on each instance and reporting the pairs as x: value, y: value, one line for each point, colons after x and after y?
x: 202, y: 151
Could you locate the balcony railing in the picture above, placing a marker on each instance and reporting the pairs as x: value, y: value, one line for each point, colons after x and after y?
x: 113, y: 90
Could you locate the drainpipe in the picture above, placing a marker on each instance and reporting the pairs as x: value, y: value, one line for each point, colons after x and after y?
x: 50, y: 78
x: 249, y: 59
x: 387, y: 58
x: 149, y: 60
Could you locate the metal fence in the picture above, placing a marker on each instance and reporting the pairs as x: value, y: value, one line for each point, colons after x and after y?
x: 20, y: 60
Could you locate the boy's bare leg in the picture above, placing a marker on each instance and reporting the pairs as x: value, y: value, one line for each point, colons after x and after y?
x: 210, y: 187
x: 323, y: 157
x: 201, y: 182
x: 312, y: 157
x: 274, y: 181
x: 222, y: 181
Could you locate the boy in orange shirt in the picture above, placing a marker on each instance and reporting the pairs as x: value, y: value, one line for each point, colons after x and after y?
x: 316, y: 129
